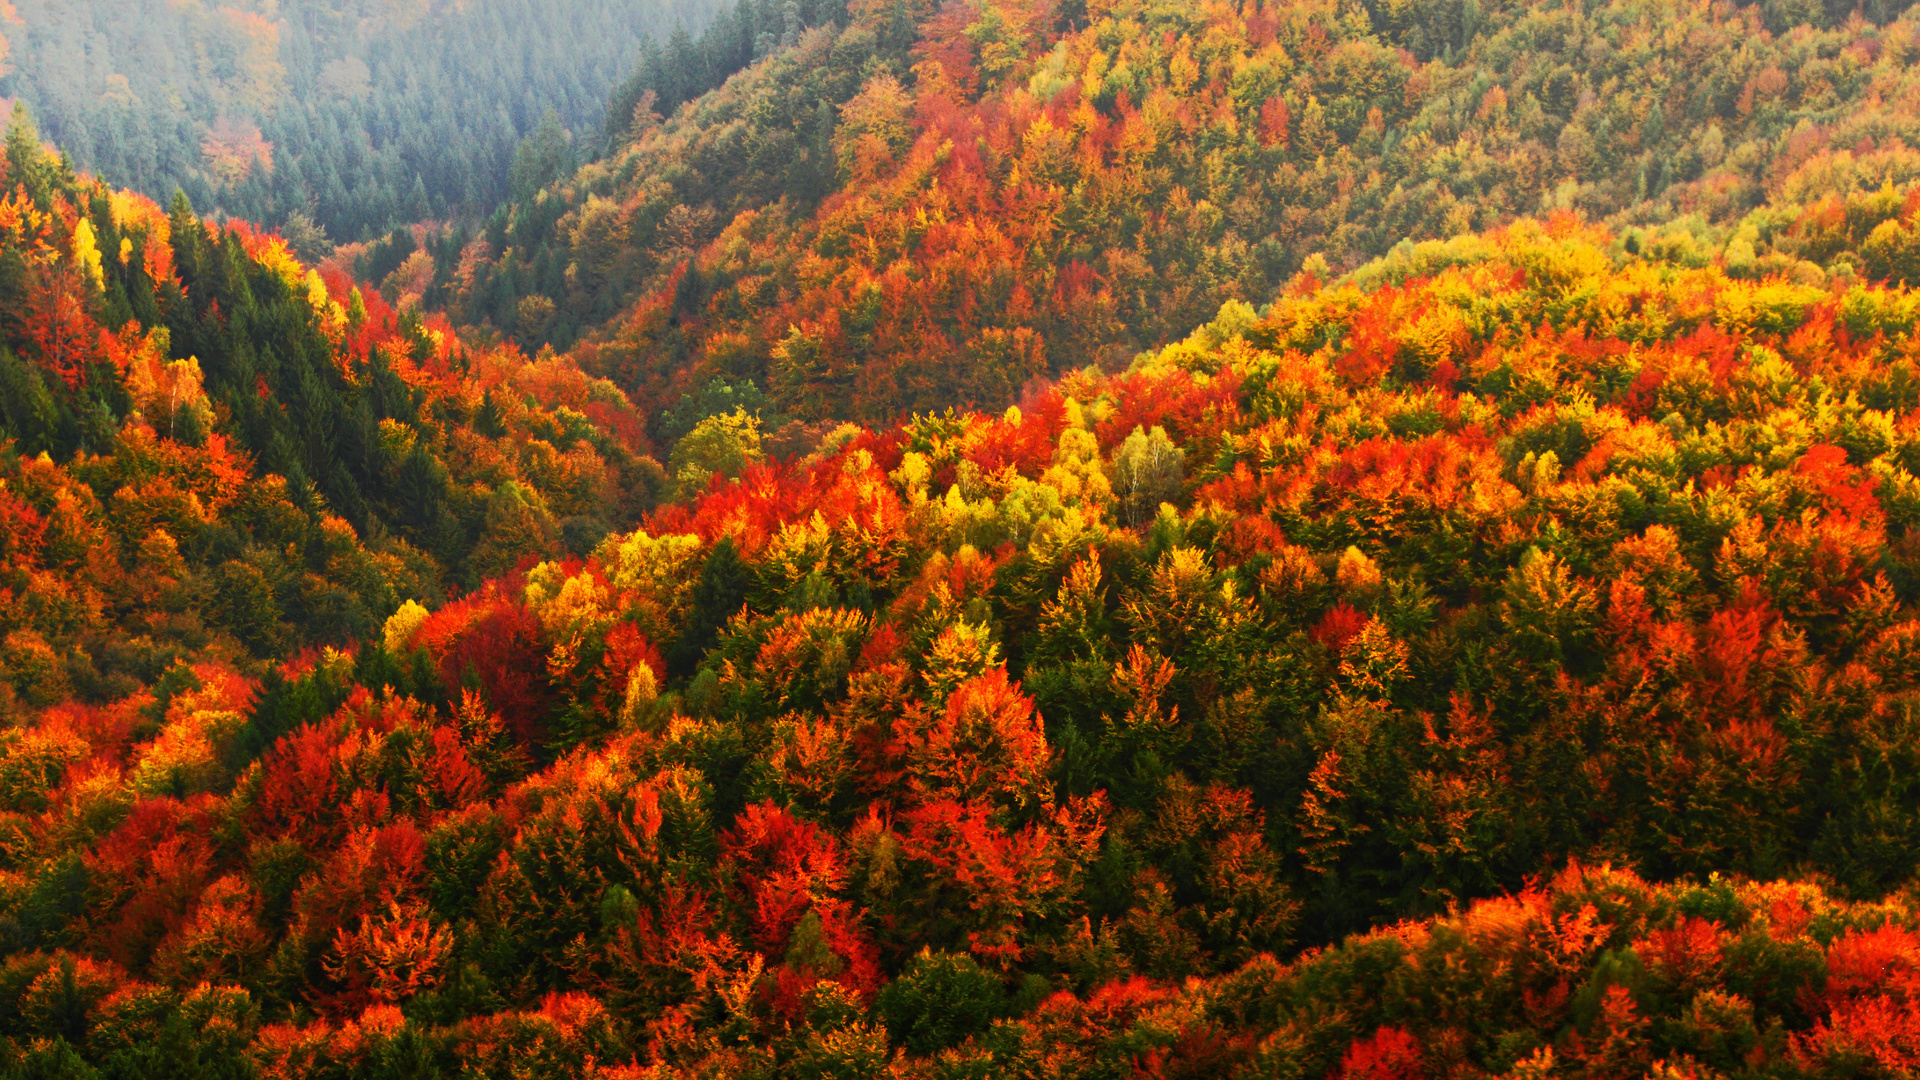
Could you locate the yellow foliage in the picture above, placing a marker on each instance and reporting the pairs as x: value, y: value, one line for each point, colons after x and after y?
x: 1076, y: 471
x: 571, y: 609
x: 652, y: 576
x: 961, y: 652
x: 185, y: 757
x: 135, y: 213
x: 86, y: 252
x: 402, y: 625
x: 170, y: 394
x: 913, y: 475
x: 643, y: 688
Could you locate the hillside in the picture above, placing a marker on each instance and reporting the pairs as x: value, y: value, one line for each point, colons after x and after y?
x: 935, y: 204
x: 357, y: 115
x: 955, y: 608
x: 211, y: 453
x: 1040, y: 740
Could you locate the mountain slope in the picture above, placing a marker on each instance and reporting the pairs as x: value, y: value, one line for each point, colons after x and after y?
x: 1024, y: 189
x: 1494, y: 659
x: 987, y: 742
x: 212, y: 455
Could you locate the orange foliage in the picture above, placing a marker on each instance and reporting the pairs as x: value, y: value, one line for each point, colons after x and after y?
x: 987, y: 744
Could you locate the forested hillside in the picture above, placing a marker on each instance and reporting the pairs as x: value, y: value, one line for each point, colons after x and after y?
x: 1436, y: 592
x: 933, y: 205
x: 359, y: 115
x: 1035, y: 742
x: 211, y: 450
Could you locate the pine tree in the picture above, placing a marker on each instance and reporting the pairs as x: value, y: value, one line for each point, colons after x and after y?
x: 724, y: 581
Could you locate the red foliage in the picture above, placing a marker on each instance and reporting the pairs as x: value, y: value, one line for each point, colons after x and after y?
x: 22, y: 531
x: 978, y: 876
x: 1708, y: 344
x: 782, y: 867
x: 626, y: 649
x: 1372, y: 344
x: 1027, y: 445
x: 669, y: 946
x: 623, y: 424
x: 1175, y: 401
x: 1886, y: 958
x: 883, y: 646
x: 987, y: 743
x: 61, y: 328
x: 1883, y: 1031
x: 1276, y: 123
x: 1688, y: 952
x: 1338, y: 626
x: 1872, y: 995
x: 962, y: 577
x: 455, y: 777
x: 1391, y: 1053
x: 299, y: 793
x: 1438, y: 471
x: 375, y: 867
x: 496, y: 640
x: 156, y: 862
x: 1846, y: 493
x: 1733, y: 646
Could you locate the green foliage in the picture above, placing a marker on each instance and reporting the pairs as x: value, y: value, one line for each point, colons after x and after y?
x: 938, y: 1001
x: 720, y: 445
x: 717, y: 597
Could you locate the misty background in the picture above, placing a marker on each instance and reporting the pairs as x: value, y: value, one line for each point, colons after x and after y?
x: 352, y: 115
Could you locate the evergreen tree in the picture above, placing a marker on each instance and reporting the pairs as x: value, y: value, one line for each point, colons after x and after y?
x: 724, y: 581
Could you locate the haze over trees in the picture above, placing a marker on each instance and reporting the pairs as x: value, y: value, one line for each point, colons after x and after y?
x: 359, y: 115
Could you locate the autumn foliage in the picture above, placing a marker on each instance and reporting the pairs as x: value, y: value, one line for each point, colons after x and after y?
x: 1498, y: 660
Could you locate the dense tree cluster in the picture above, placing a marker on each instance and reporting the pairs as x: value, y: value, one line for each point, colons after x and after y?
x: 354, y: 115
x: 212, y: 451
x: 932, y: 204
x: 682, y: 69
x: 1025, y: 743
x: 1351, y: 645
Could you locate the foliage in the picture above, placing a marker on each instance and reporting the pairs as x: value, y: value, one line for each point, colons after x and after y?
x: 1499, y: 659
x: 925, y: 205
x: 1035, y: 737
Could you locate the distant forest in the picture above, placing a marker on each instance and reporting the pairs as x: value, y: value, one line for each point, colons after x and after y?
x: 355, y: 115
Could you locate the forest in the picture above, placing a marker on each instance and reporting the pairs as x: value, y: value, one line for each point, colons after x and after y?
x: 1477, y: 644
x: 343, y: 118
x: 929, y: 207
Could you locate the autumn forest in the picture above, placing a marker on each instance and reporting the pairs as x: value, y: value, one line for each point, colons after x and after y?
x: 959, y: 539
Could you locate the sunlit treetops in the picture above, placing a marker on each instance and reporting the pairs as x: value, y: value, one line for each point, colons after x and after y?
x: 1316, y: 692
x: 1390, y: 622
x: 216, y: 453
x: 933, y: 205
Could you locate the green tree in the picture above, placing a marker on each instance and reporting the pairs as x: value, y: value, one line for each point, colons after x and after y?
x: 720, y: 445
x: 938, y: 1001
x: 1147, y: 471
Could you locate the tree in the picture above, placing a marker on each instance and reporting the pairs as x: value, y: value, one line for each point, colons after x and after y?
x: 939, y: 1000
x: 720, y: 445
x: 1147, y: 470
x: 60, y: 326
x: 540, y: 158
x: 724, y: 581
